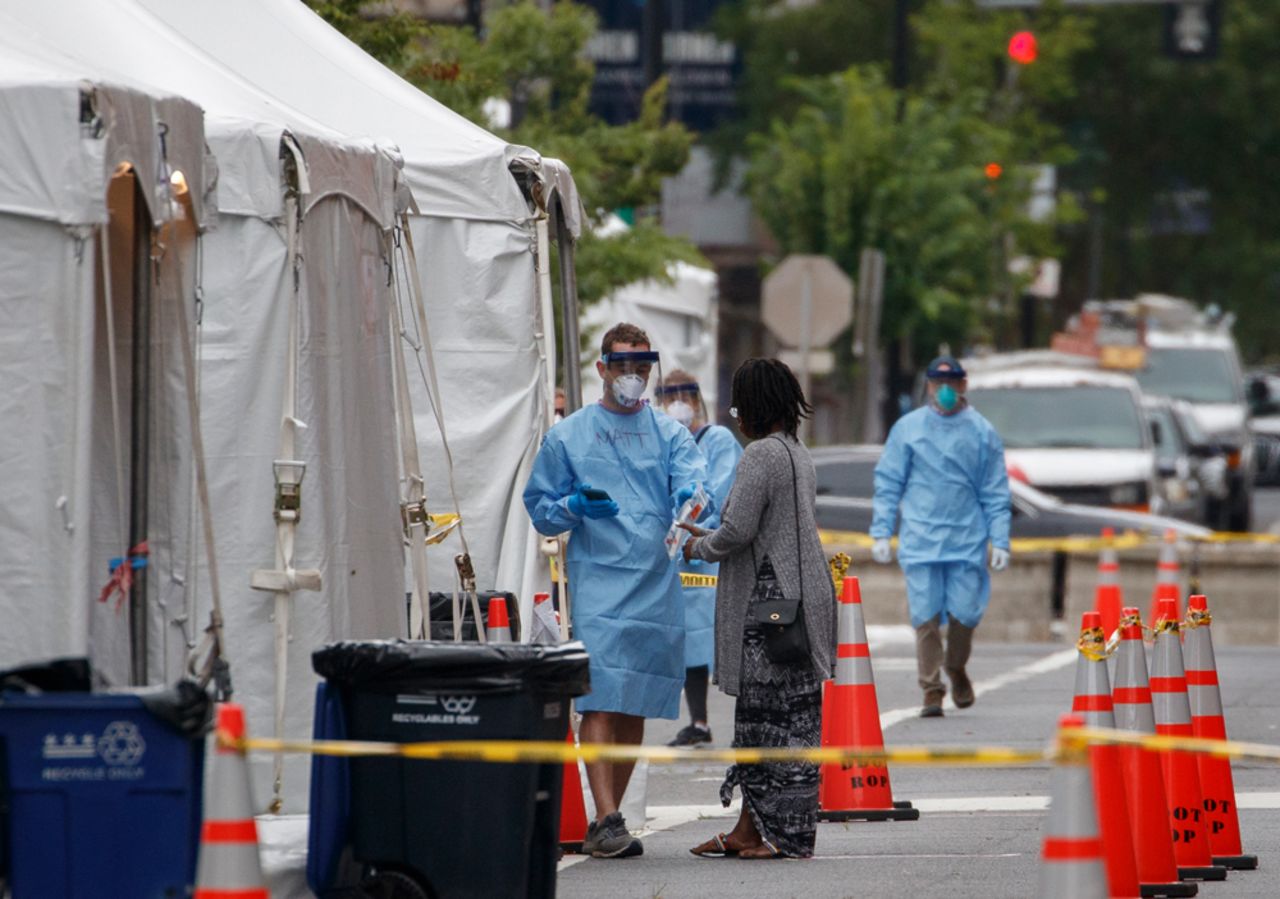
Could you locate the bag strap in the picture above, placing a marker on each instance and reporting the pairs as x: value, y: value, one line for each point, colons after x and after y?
x: 795, y: 488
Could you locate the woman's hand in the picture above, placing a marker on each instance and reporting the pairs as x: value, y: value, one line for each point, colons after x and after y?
x: 687, y: 549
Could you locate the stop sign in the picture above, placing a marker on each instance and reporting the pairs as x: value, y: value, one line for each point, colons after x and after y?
x: 813, y: 281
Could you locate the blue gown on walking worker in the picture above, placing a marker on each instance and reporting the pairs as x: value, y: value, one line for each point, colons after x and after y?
x: 722, y: 452
x: 948, y: 472
x: 624, y: 590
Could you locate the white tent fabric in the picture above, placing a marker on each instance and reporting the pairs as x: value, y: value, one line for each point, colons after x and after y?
x: 350, y: 522
x: 476, y: 246
x: 65, y: 224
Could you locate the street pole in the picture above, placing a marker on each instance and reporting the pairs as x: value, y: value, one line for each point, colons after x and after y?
x: 139, y: 438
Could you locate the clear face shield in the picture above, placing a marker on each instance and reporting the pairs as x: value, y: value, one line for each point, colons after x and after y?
x: 683, y: 402
x: 629, y: 373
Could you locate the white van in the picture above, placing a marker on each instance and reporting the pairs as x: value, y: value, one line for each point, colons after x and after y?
x: 1076, y: 433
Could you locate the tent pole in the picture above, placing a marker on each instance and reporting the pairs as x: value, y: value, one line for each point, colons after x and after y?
x: 140, y: 434
x: 569, y: 309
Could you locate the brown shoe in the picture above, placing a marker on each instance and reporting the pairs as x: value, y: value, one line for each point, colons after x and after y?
x: 961, y: 688
x: 932, y: 704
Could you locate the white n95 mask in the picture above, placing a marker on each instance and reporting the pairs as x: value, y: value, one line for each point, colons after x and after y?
x: 681, y: 412
x: 628, y: 389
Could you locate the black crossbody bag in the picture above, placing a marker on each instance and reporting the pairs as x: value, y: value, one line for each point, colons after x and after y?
x: 786, y: 641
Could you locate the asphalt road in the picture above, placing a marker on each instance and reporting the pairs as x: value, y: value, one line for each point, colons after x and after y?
x: 980, y: 829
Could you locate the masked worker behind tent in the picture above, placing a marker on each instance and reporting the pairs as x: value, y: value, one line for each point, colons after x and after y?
x: 613, y: 474
x: 943, y: 464
x: 682, y: 400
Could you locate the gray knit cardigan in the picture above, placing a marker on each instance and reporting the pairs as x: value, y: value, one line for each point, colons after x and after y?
x: 761, y: 509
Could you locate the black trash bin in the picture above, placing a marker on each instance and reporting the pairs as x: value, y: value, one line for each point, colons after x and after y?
x: 445, y: 829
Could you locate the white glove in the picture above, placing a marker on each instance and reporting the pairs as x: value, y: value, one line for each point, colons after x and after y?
x: 881, y: 552
x: 999, y: 558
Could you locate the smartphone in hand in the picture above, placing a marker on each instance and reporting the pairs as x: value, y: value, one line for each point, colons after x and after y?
x: 593, y: 494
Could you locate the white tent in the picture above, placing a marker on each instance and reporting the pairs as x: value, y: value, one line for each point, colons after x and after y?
x: 88, y: 167
x: 276, y: 167
x: 477, y: 243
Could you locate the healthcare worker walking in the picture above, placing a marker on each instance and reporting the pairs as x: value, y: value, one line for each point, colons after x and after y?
x: 613, y: 474
x: 682, y: 400
x: 943, y: 464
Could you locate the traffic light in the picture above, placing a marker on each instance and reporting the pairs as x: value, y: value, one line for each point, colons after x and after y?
x: 993, y: 171
x: 1023, y: 48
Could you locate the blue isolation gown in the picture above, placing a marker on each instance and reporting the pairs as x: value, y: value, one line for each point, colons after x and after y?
x: 947, y: 473
x: 624, y: 591
x: 722, y: 452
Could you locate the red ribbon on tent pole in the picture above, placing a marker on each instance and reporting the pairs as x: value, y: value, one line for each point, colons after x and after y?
x: 122, y: 574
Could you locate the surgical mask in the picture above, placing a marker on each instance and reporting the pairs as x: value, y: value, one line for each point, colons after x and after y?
x: 628, y: 389
x: 947, y: 397
x: 681, y: 412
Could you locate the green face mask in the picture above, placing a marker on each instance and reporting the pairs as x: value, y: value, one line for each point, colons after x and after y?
x: 947, y: 397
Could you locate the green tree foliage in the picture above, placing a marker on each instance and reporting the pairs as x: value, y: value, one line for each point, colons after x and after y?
x: 534, y: 60
x: 848, y: 162
x: 1155, y: 132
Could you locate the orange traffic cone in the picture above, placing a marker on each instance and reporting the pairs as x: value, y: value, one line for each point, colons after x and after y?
x: 851, y: 717
x: 229, y: 865
x: 573, y: 810
x: 1207, y: 721
x: 1093, y: 704
x: 1144, y: 782
x: 1181, y: 773
x: 1071, y: 862
x: 499, y: 625
x: 1107, y: 597
x: 1167, y: 576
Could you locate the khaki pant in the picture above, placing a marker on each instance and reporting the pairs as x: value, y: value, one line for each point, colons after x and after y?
x: 931, y: 657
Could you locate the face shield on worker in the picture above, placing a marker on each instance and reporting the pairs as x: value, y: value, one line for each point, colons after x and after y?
x: 946, y: 385
x: 680, y: 398
x: 628, y: 373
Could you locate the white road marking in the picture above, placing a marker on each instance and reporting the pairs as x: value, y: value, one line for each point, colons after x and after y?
x: 1048, y: 663
x: 826, y: 858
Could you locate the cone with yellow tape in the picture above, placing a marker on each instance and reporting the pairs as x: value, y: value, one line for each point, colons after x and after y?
x: 1207, y: 721
x: 229, y: 865
x: 1071, y: 855
x: 1092, y: 704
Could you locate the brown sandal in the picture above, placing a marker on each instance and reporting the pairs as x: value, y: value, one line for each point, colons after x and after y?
x: 717, y: 847
x: 764, y: 850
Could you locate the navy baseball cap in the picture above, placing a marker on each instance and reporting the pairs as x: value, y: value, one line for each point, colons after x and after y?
x: 945, y: 368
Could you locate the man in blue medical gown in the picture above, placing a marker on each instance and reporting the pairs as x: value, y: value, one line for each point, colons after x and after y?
x: 612, y: 474
x: 943, y: 469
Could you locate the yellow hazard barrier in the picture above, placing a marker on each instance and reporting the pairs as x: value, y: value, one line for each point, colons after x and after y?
x: 533, y: 751
x: 1127, y: 540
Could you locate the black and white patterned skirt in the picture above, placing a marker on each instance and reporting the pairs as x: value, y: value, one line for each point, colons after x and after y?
x: 778, y: 705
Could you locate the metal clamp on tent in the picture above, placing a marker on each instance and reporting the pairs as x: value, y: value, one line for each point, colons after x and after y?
x: 288, y: 474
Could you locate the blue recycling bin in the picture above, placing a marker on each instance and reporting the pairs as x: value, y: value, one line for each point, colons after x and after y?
x: 98, y: 797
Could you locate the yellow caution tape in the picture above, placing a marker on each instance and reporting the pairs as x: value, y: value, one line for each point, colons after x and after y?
x: 1081, y: 544
x: 698, y: 580
x: 442, y: 524
x: 1069, y: 742
x: 534, y: 751
x: 1197, y: 618
x: 1168, y: 626
x: 1093, y: 645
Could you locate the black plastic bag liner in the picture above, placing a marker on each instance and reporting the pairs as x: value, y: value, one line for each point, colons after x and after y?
x: 69, y: 675
x: 400, y: 664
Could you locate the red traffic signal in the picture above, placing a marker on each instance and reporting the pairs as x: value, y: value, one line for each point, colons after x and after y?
x: 993, y: 171
x: 1022, y: 48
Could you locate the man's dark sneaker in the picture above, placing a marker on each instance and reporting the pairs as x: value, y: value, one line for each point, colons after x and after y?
x: 932, y: 705
x: 609, y: 838
x: 692, y: 735
x: 961, y: 688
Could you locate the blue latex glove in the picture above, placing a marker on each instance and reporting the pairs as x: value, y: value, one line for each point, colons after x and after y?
x: 583, y: 507
x: 684, y: 493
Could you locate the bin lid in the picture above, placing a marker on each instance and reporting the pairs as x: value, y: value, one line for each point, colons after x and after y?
x: 560, y: 669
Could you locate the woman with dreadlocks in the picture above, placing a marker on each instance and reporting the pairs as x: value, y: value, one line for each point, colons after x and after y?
x: 768, y: 549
